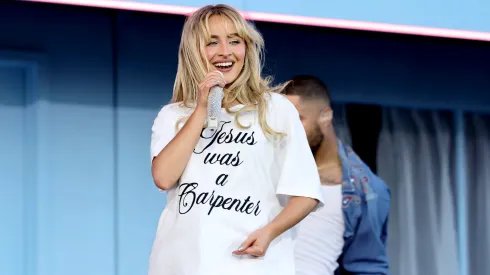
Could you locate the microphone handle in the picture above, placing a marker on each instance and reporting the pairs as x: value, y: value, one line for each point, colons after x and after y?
x: 215, y: 99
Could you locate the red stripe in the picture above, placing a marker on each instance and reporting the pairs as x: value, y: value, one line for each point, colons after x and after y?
x: 286, y: 19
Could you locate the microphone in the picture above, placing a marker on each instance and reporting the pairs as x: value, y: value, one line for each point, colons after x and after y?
x: 215, y: 99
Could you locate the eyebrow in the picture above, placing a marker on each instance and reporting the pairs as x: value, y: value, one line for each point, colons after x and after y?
x: 231, y: 35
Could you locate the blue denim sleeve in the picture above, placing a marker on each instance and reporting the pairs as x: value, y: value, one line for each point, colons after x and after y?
x: 366, y: 253
x: 384, y: 233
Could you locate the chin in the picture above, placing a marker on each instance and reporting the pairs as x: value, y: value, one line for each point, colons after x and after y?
x: 230, y: 74
x: 230, y: 79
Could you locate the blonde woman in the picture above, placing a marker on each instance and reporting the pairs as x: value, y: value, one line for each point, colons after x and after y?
x: 232, y: 194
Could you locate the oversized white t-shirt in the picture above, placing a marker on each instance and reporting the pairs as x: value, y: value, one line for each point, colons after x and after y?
x: 236, y: 182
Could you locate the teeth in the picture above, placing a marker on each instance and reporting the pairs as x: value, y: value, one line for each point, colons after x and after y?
x: 224, y: 64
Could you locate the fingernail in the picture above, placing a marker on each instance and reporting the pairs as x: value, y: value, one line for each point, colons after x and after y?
x: 240, y: 248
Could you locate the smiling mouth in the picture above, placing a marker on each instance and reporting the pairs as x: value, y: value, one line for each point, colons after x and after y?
x: 224, y: 65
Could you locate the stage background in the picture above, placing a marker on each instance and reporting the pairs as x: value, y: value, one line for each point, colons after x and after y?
x: 80, y: 87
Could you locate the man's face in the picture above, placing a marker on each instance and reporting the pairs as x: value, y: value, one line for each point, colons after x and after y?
x: 309, y: 113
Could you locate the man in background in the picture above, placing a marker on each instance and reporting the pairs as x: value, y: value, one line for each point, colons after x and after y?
x: 348, y: 236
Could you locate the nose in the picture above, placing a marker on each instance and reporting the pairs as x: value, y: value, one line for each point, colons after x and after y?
x: 224, y: 50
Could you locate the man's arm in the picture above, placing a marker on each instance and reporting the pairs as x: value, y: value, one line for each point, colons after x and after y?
x: 366, y: 254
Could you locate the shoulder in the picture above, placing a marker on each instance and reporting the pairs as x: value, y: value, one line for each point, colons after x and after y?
x: 366, y: 186
x: 173, y: 110
x: 278, y: 103
x: 365, y: 181
x: 277, y: 100
x: 281, y: 113
x: 169, y: 115
x: 379, y: 187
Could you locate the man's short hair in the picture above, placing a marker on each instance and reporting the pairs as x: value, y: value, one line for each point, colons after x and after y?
x: 307, y: 87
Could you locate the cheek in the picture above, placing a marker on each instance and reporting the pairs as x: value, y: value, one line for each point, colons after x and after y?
x: 210, y: 53
x: 239, y: 52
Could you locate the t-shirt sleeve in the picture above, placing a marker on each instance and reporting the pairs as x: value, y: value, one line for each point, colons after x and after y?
x: 298, y: 173
x: 162, y: 131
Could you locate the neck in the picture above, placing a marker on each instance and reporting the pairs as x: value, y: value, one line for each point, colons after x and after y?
x: 328, y: 151
x: 328, y: 161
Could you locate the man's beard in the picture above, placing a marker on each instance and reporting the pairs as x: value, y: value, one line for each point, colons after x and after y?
x: 316, y: 140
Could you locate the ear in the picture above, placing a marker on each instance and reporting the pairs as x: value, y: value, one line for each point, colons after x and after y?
x: 326, y: 117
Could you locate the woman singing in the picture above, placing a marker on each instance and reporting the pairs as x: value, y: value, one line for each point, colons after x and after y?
x: 233, y: 193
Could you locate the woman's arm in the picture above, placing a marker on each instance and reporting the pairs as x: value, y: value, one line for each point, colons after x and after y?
x: 170, y: 163
x: 295, y: 210
x: 167, y: 167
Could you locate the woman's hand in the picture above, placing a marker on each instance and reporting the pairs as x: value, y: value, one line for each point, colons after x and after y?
x: 212, y: 79
x: 257, y: 243
x: 295, y: 210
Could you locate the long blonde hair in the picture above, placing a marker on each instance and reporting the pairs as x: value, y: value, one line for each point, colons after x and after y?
x: 249, y: 87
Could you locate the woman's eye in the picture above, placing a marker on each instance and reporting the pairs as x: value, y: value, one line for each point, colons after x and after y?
x: 212, y: 43
x: 234, y: 42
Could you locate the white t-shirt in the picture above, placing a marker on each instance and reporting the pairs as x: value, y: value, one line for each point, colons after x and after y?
x: 320, y: 236
x: 236, y: 182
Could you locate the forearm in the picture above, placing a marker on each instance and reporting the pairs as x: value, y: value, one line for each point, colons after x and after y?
x: 295, y: 210
x: 170, y: 163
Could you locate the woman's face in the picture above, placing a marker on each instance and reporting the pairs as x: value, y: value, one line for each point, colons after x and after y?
x: 226, y: 50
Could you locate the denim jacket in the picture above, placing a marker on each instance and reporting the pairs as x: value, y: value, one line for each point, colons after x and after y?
x: 366, y: 204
